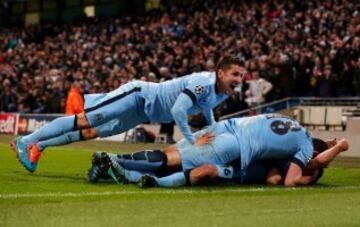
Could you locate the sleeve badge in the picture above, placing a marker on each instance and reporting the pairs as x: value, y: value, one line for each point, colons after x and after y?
x: 199, y: 90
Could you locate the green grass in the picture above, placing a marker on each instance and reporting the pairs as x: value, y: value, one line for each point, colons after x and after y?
x: 58, y: 194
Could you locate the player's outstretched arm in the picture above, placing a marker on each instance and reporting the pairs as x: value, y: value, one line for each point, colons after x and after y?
x: 179, y: 112
x: 324, y: 158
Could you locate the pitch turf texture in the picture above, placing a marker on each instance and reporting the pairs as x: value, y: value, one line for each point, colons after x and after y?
x: 58, y: 194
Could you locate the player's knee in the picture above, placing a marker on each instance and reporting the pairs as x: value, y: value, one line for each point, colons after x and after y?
x: 87, y: 134
x: 204, y: 175
x: 173, y: 157
x: 211, y: 170
x: 81, y: 121
x: 207, y: 171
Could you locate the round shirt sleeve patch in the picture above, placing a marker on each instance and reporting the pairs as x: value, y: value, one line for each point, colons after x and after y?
x: 199, y: 90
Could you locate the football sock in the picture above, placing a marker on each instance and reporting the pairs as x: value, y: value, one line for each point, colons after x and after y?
x: 132, y: 176
x: 148, y: 160
x: 55, y: 128
x: 174, y: 180
x: 60, y: 140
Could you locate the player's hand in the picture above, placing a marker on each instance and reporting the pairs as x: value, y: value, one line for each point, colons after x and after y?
x: 344, y: 144
x: 204, y: 139
x: 331, y: 143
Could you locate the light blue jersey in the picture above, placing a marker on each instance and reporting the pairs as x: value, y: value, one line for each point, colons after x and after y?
x: 155, y: 102
x: 222, y: 150
x: 250, y: 139
x: 178, y: 98
x: 271, y: 137
x: 199, y: 87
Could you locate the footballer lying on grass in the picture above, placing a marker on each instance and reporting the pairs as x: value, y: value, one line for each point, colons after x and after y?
x: 261, y: 149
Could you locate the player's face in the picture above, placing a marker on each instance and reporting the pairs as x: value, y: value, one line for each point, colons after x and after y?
x: 230, y: 78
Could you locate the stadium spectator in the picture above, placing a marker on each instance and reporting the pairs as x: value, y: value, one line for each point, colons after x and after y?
x: 292, y: 40
x: 326, y: 82
x: 342, y: 82
x: 8, y: 98
x: 75, y: 101
x: 356, y: 80
x: 258, y: 89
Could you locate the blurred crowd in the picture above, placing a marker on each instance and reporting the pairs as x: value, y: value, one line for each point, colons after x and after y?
x: 296, y: 48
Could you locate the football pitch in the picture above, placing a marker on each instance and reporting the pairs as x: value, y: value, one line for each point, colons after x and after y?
x: 58, y: 194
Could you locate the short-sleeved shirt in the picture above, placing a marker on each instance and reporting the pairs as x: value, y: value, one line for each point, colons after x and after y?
x: 200, y: 87
x: 271, y: 136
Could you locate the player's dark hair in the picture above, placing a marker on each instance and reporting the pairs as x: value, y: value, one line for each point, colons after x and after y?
x: 228, y: 61
x: 319, y: 145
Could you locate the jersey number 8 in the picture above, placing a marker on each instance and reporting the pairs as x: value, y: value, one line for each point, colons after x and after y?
x: 281, y: 128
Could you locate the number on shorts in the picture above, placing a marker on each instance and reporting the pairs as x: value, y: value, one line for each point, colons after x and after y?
x: 227, y: 171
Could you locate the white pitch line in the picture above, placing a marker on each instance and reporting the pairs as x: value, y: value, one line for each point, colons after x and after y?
x: 164, y: 192
x: 110, y: 193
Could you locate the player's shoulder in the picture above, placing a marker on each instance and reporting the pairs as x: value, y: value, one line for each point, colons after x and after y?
x: 277, y: 117
x: 204, y: 78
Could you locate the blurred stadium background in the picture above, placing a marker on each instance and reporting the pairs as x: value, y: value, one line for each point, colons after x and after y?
x: 307, y: 50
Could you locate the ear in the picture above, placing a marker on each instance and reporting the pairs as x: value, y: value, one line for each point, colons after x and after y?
x: 220, y: 73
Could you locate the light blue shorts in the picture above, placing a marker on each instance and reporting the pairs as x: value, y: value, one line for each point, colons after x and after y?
x: 224, y: 149
x: 117, y: 111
